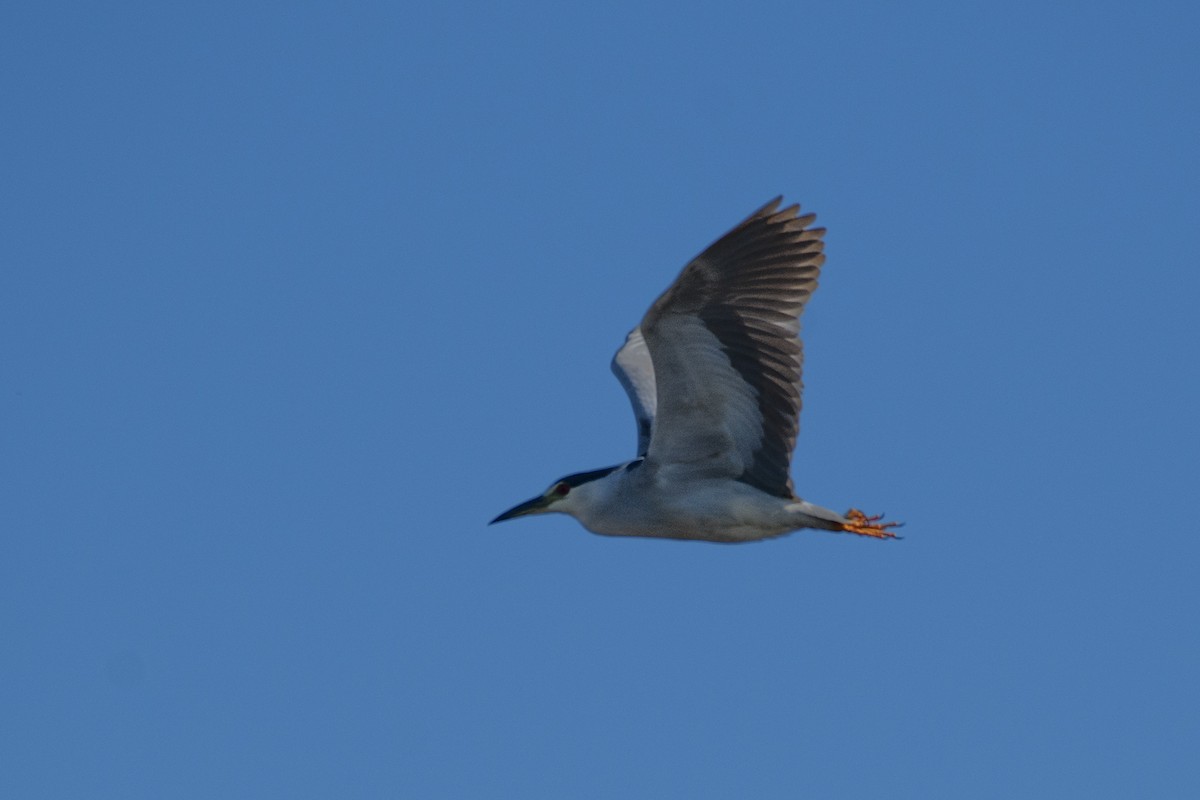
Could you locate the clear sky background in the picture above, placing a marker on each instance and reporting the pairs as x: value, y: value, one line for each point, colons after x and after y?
x: 295, y: 297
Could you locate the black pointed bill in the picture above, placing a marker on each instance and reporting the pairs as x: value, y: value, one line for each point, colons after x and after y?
x: 534, y: 506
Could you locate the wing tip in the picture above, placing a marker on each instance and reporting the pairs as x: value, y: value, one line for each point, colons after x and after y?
x: 774, y: 212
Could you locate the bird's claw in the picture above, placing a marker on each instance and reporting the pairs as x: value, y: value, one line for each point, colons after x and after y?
x: 863, y: 525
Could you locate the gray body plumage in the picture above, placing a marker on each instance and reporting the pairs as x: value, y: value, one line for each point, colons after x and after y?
x: 650, y: 501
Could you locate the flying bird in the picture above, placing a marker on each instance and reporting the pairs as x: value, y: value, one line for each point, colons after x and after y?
x: 713, y: 374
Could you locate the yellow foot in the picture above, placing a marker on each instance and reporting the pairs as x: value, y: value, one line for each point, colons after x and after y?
x: 861, y: 524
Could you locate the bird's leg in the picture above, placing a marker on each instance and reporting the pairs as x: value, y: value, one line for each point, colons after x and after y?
x: 863, y: 525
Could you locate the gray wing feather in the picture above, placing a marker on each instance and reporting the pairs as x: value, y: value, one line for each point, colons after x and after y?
x: 635, y: 371
x: 726, y: 355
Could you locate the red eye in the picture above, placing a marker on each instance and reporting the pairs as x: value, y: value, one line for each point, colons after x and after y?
x: 562, y: 489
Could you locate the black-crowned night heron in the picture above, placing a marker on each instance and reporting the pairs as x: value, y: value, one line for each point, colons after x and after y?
x: 713, y: 372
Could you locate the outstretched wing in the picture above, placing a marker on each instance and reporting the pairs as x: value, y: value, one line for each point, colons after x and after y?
x: 635, y: 371
x: 725, y: 353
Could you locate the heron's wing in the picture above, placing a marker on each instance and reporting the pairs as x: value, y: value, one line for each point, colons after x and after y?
x: 724, y: 340
x: 635, y: 371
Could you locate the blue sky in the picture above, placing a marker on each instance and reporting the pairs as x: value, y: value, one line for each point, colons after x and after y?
x: 295, y: 297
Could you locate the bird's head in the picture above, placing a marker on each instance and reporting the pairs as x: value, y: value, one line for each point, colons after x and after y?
x: 563, y: 496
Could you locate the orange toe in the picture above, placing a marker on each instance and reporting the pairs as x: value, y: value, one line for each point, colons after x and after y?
x: 863, y: 525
